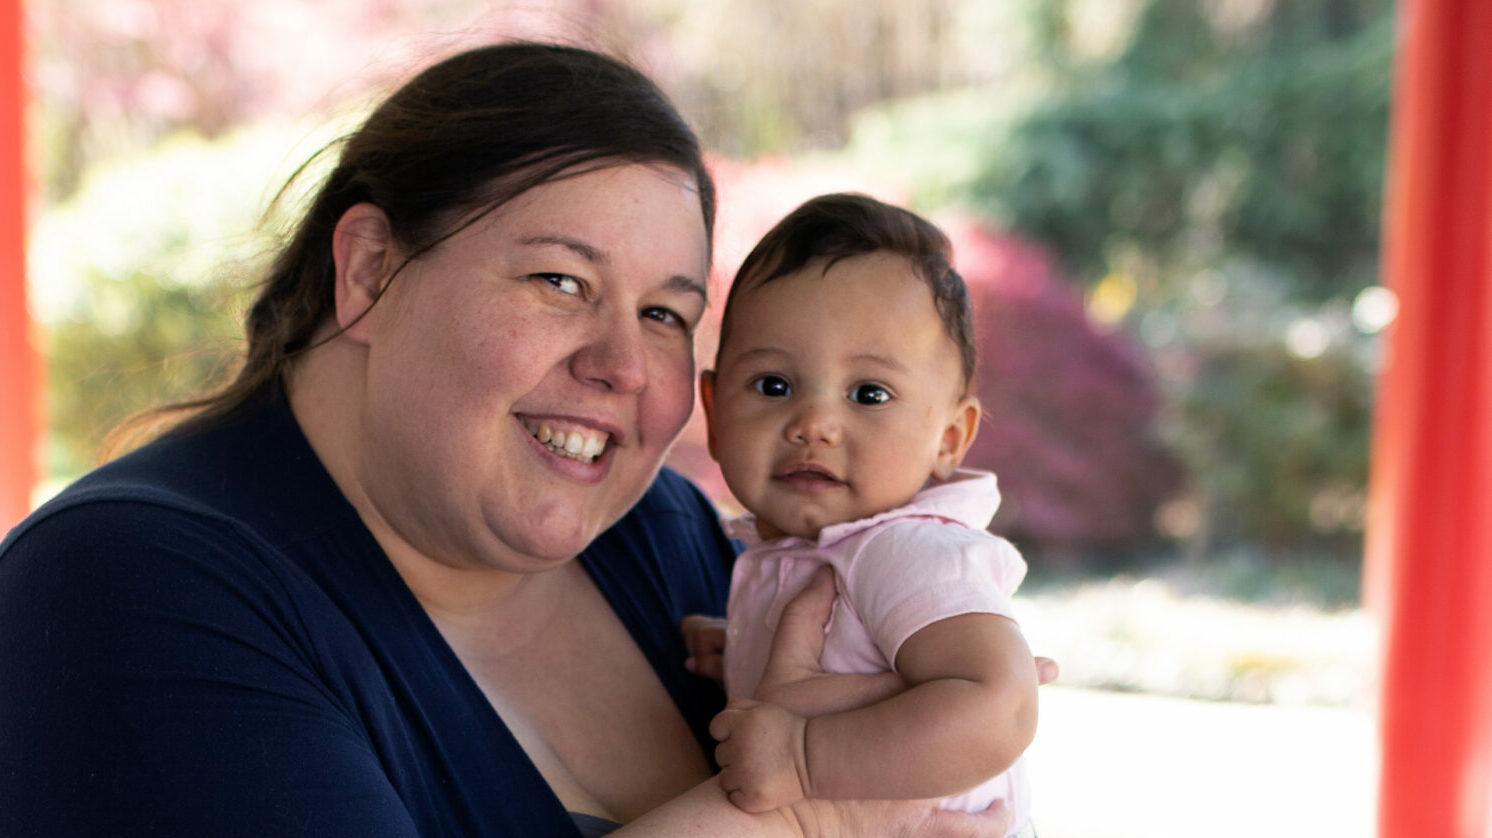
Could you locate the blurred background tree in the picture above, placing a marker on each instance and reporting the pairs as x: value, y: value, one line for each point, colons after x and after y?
x: 1221, y: 174
x: 1167, y: 211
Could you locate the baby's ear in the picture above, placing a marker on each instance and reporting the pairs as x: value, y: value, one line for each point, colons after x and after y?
x: 707, y: 401
x: 963, y: 426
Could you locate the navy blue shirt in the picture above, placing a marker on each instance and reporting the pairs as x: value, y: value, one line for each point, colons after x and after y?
x: 202, y: 638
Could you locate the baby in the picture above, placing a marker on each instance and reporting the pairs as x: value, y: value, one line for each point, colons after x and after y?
x: 840, y: 409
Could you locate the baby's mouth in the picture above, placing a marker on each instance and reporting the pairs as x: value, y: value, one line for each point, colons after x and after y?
x: 808, y: 472
x: 575, y: 443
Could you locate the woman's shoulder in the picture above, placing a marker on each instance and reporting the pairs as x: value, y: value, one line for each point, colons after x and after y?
x: 117, y: 509
x: 251, y: 477
x: 179, y: 511
x: 136, y: 545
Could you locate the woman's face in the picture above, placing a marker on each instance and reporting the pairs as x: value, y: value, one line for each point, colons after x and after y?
x: 525, y: 378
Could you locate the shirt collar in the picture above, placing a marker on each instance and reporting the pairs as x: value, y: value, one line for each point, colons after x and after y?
x: 969, y: 497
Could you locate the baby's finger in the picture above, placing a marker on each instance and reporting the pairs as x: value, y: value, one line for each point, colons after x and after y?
x: 720, y: 727
x: 748, y: 802
x: 708, y: 666
x: 704, y: 637
x: 725, y: 758
x: 726, y: 720
x: 1046, y: 670
x: 702, y: 628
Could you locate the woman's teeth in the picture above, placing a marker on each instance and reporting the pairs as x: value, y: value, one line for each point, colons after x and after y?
x: 575, y: 444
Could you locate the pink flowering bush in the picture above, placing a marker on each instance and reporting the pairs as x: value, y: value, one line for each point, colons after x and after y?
x: 1070, y: 406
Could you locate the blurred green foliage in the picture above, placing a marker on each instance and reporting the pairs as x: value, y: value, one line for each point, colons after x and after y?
x: 1245, y: 157
x: 1276, y: 443
x: 164, y: 345
x: 1194, y: 156
x: 141, y: 277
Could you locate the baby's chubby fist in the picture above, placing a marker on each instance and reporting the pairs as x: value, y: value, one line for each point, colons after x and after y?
x: 763, y: 764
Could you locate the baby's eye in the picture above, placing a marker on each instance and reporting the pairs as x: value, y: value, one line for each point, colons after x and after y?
x: 563, y: 283
x: 774, y: 386
x: 870, y: 394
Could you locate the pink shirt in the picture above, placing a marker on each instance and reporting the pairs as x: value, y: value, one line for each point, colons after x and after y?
x: 897, y: 572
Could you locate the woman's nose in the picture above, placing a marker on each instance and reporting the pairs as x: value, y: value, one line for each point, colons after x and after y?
x: 614, y: 359
x: 814, y: 424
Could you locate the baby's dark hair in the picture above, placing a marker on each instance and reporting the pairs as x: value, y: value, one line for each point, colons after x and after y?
x: 842, y: 225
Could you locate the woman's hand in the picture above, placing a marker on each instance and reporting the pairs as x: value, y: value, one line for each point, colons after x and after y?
x: 795, y: 679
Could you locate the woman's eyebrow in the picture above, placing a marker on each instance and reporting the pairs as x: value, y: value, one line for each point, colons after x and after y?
x: 596, y: 256
x: 588, y: 252
x: 688, y: 285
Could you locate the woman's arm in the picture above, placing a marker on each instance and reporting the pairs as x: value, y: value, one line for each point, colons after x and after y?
x: 151, y: 683
x: 705, y: 812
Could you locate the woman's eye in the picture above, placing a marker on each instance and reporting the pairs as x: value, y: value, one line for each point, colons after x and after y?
x: 563, y: 283
x: 774, y: 386
x: 870, y: 394
x: 667, y: 317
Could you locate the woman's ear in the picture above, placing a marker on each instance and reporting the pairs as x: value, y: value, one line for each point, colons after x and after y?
x: 707, y: 401
x: 963, y: 426
x: 363, y: 252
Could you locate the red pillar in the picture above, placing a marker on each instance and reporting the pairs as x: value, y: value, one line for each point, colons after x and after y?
x: 1429, y: 540
x: 19, y: 364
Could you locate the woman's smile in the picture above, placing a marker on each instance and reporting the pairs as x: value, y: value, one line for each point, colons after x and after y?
x: 568, y: 439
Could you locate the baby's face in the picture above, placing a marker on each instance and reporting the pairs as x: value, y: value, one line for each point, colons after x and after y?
x: 836, y: 395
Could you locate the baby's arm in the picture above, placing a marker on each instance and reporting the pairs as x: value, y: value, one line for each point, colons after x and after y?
x: 970, y: 710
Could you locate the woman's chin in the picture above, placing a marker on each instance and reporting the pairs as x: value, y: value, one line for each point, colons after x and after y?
x: 548, y: 536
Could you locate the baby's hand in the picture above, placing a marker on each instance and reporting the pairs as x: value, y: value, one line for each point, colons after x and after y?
x: 704, y: 637
x: 763, y: 765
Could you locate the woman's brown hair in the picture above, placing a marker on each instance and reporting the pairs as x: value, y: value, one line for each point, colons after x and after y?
x: 461, y: 138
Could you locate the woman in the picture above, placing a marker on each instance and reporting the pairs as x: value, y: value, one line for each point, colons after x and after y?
x: 297, y: 612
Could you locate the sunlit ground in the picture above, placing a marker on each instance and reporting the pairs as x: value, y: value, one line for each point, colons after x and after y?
x: 1116, y: 765
x: 1280, y: 743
